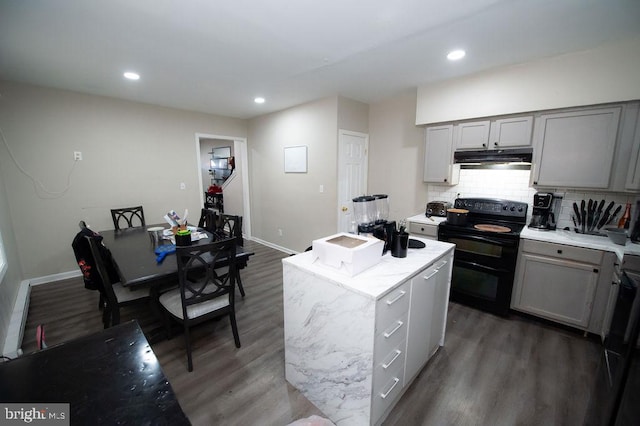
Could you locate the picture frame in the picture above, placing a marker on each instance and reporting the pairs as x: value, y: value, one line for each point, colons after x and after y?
x: 295, y: 159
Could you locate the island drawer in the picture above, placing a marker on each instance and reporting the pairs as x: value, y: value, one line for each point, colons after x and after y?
x: 388, y: 340
x: 562, y: 251
x: 387, y: 390
x: 392, y: 306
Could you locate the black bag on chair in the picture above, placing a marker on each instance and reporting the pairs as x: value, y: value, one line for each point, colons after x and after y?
x: 86, y: 263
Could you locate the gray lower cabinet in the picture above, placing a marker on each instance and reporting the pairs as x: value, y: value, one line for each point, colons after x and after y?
x: 426, y: 231
x: 566, y: 284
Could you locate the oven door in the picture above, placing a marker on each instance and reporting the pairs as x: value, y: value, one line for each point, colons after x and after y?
x: 483, y: 271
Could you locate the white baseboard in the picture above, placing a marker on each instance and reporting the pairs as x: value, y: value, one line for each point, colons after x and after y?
x: 15, y: 332
x: 273, y: 246
x: 55, y: 277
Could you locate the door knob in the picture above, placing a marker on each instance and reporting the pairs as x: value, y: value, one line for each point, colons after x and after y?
x: 344, y: 209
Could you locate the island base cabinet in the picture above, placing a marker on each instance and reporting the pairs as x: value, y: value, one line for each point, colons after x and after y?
x: 428, y: 315
x: 347, y: 351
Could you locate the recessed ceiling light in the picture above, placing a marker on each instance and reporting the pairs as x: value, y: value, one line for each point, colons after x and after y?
x: 132, y: 75
x: 454, y: 55
x: 259, y: 100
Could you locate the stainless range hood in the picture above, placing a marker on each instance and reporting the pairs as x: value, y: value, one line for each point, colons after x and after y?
x: 517, y: 156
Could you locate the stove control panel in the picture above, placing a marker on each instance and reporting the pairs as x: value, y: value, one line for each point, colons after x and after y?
x: 492, y: 206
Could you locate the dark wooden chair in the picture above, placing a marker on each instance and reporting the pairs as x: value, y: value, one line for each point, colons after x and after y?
x: 208, y: 220
x: 210, y: 295
x: 232, y: 227
x: 115, y: 295
x: 132, y: 216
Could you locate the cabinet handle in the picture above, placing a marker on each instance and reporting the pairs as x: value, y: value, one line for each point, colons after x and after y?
x: 387, y: 365
x: 386, y: 394
x: 495, y: 143
x: 396, y: 328
x: 426, y: 277
x: 484, y: 145
x: 535, y: 182
x: 559, y: 251
x: 395, y: 299
x: 445, y: 179
x: 596, y: 270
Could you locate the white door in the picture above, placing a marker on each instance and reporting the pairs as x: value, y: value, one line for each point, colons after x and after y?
x: 352, y: 173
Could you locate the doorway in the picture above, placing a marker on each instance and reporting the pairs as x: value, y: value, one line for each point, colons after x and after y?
x: 353, y: 148
x: 240, y: 192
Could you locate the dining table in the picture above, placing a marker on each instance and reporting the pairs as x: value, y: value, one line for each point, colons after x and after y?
x: 134, y: 252
x: 106, y: 378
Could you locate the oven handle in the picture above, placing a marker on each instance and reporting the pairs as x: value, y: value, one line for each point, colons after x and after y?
x: 502, y: 243
x: 479, y: 266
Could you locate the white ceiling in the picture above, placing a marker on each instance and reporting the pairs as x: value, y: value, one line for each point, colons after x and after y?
x: 216, y: 56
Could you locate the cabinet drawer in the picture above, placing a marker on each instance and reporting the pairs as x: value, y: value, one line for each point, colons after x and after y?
x: 388, y: 364
x: 561, y: 251
x: 422, y: 229
x: 389, y: 339
x: 392, y: 306
x: 386, y: 392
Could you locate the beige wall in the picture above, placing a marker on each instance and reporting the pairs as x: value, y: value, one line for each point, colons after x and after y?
x: 291, y: 202
x: 396, y: 152
x: 610, y: 73
x: 133, y: 154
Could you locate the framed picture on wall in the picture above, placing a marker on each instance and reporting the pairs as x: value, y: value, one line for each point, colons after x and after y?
x: 295, y: 159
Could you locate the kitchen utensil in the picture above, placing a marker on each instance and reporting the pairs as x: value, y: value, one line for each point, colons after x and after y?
x: 605, y: 216
x: 583, y: 215
x: 617, y: 235
x: 577, y: 212
x: 589, y: 214
x: 457, y: 216
x: 615, y: 213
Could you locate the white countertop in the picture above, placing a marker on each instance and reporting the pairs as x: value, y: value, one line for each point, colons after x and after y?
x: 423, y: 219
x: 381, y: 278
x: 572, y: 238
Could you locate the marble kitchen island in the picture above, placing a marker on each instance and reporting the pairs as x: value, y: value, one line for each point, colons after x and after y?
x: 354, y: 344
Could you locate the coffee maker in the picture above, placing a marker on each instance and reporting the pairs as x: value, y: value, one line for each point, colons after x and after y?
x: 546, y: 207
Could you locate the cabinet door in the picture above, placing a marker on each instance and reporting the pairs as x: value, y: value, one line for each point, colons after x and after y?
x: 511, y: 132
x: 473, y: 135
x: 555, y: 289
x: 576, y: 149
x: 438, y: 157
x: 427, y: 315
x: 633, y: 172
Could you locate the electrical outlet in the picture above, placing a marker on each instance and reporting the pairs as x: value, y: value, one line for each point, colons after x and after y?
x: 183, y: 185
x: 77, y: 155
x: 280, y: 232
x: 321, y: 188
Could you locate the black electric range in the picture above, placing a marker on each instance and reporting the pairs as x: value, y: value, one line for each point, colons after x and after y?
x: 486, y: 251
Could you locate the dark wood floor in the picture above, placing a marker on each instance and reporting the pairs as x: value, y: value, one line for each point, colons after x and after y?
x: 491, y: 371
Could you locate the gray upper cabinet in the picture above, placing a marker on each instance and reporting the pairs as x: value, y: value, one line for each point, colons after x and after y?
x: 473, y: 135
x: 575, y: 149
x: 438, y: 156
x: 509, y: 132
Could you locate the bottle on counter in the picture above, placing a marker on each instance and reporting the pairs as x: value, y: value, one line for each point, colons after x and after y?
x: 626, y: 217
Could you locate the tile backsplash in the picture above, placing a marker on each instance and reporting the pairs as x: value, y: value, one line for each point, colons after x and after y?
x: 514, y: 185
